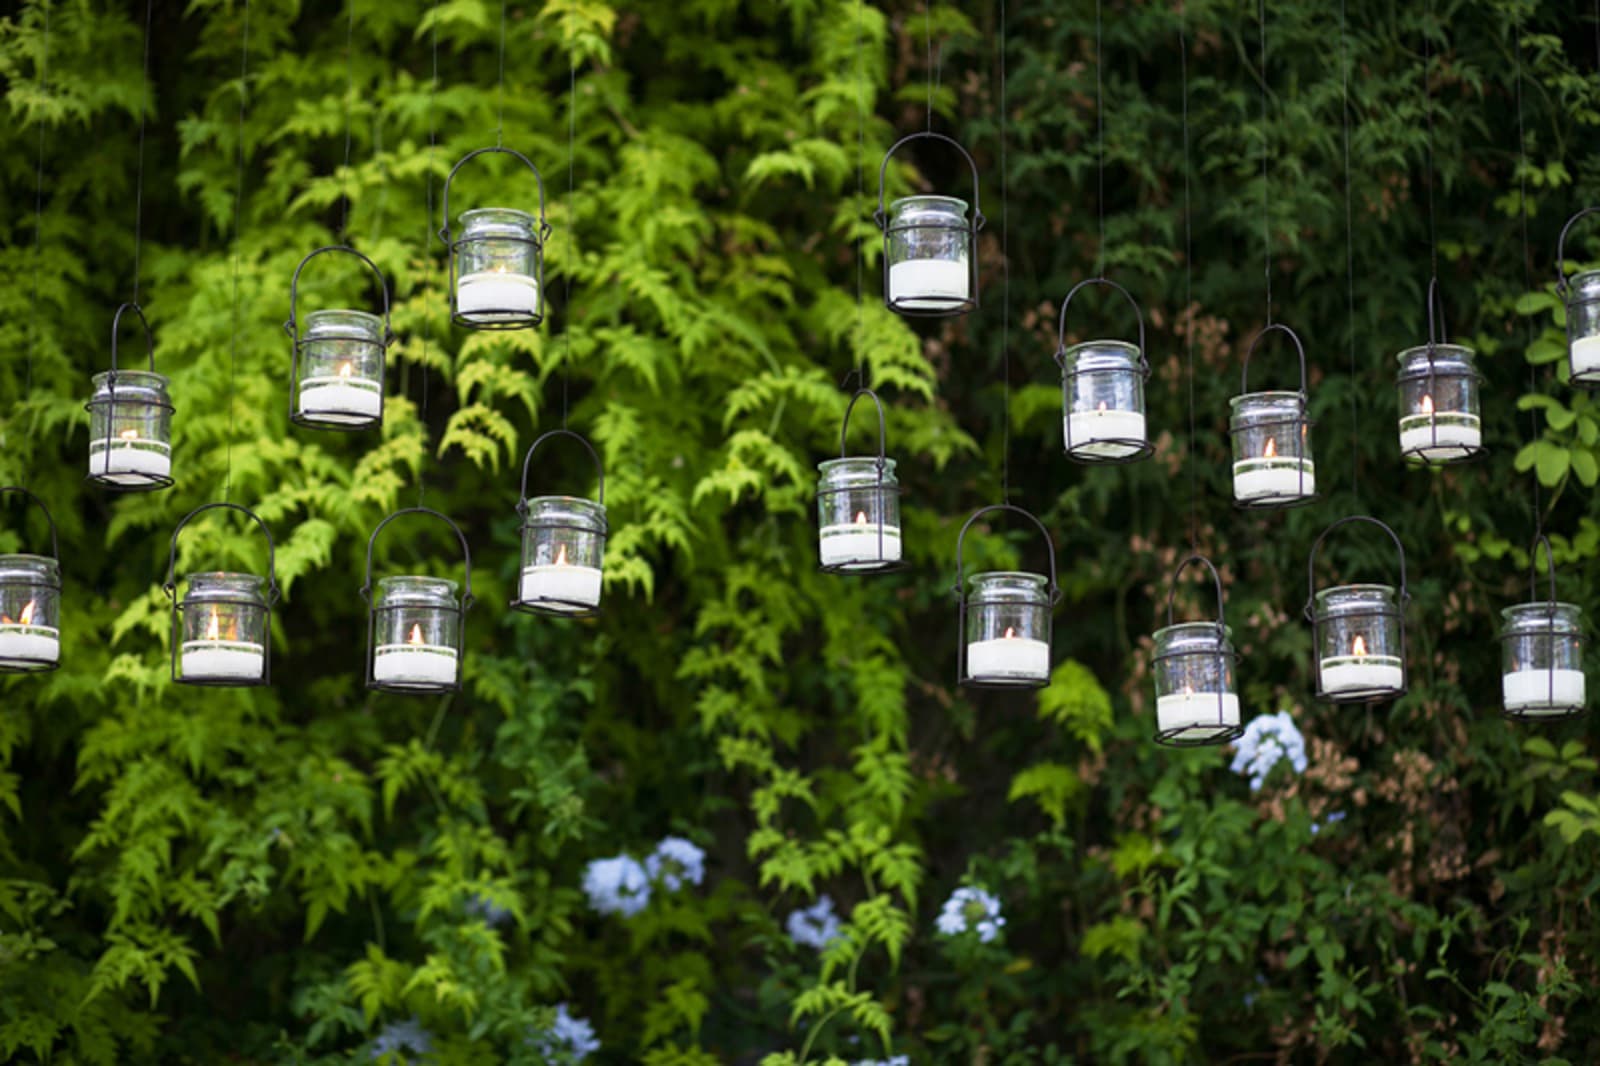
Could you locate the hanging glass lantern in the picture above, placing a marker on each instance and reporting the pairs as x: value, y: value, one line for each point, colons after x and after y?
x: 30, y: 602
x: 1358, y: 632
x: 1272, y: 465
x: 222, y: 625
x: 858, y: 506
x: 1102, y: 391
x: 1196, y: 703
x: 130, y: 421
x: 1439, y: 421
x: 415, y: 627
x: 563, y: 545
x: 930, y: 266
x: 497, y: 263
x: 336, y: 367
x: 1541, y: 646
x: 1581, y: 294
x: 1004, y: 619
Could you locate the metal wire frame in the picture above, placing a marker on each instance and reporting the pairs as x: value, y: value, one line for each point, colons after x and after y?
x: 963, y: 678
x: 881, y: 491
x: 151, y: 482
x: 1300, y: 423
x: 1394, y: 611
x: 171, y: 588
x: 1558, y: 712
x: 35, y: 666
x: 1077, y: 452
x: 297, y: 344
x: 950, y: 305
x: 1223, y: 733
x: 1427, y: 454
x: 459, y: 609
x: 518, y: 319
x: 552, y: 607
x: 1589, y: 379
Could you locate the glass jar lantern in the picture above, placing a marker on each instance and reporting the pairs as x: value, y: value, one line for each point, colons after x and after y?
x: 222, y: 625
x: 1439, y: 421
x: 563, y: 544
x: 415, y: 624
x: 1005, y: 620
x: 1581, y: 295
x: 1358, y: 632
x: 858, y: 506
x: 1102, y: 391
x: 30, y: 602
x: 1541, y: 648
x: 336, y: 365
x: 1196, y: 702
x: 929, y: 245
x: 130, y: 421
x: 497, y: 261
x: 1272, y: 463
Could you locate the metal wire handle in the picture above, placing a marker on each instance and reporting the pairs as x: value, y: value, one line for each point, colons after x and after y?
x: 1061, y: 329
x: 1311, y: 564
x: 883, y: 434
x: 544, y: 226
x: 1300, y: 349
x: 883, y: 172
x: 149, y: 337
x: 1561, y: 248
x: 171, y: 584
x: 1050, y: 547
x: 55, y: 545
x: 1550, y: 561
x: 291, y: 327
x: 1442, y: 336
x: 1216, y: 582
x: 466, y: 553
x: 600, y: 474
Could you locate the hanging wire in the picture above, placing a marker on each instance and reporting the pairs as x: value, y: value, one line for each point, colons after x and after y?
x: 1349, y: 252
x: 1427, y: 111
x: 1100, y: 144
x: 1005, y: 283
x: 572, y: 228
x: 861, y: 194
x: 927, y: 31
x: 1188, y: 283
x: 138, y: 185
x: 38, y: 209
x: 1527, y: 281
x: 427, y: 235
x: 349, y: 94
x: 1266, y: 199
x: 500, y: 93
x: 238, y: 208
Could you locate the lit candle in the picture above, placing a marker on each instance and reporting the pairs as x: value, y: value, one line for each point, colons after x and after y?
x: 1271, y: 477
x: 1010, y: 656
x: 1360, y: 672
x: 222, y: 656
x: 561, y: 586
x: 23, y: 643
x: 857, y: 544
x: 415, y: 662
x: 1446, y: 435
x: 1198, y: 715
x: 1586, y: 355
x: 1540, y: 691
x: 130, y: 459
x: 497, y: 295
x: 1103, y: 432
x: 343, y: 398
x: 928, y: 284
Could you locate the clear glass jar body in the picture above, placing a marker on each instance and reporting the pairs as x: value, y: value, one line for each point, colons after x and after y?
x: 1359, y: 643
x: 1195, y: 698
x: 929, y: 255
x: 223, y: 629
x: 1272, y: 464
x: 416, y: 633
x: 499, y: 260
x: 1583, y: 328
x: 341, y: 368
x: 1008, y: 628
x: 130, y: 430
x: 1439, y: 420
x: 30, y: 612
x: 1102, y: 401
x: 563, y: 553
x: 1542, y: 660
x: 858, y: 513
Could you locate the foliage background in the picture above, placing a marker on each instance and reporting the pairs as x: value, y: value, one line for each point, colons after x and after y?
x: 199, y: 876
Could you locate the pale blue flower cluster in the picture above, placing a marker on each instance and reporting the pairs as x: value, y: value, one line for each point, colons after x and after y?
x: 617, y: 885
x: 402, y: 1038
x: 815, y: 926
x: 675, y: 862
x: 481, y: 906
x: 569, y: 1039
x: 1267, y: 740
x: 1333, y: 818
x: 898, y: 1060
x: 971, y: 908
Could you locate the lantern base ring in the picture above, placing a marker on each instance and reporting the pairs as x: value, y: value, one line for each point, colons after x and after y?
x: 1361, y: 695
x: 1559, y: 712
x: 1093, y: 452
x: 336, y: 423
x: 414, y: 688
x: 1421, y: 456
x: 117, y: 482
x: 29, y: 666
x: 551, y: 607
x: 862, y: 569
x: 946, y: 306
x: 1216, y: 735
x: 1274, y: 503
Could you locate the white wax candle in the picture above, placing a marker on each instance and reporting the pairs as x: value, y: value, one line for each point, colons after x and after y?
x: 22, y: 645
x: 1530, y: 691
x: 1084, y: 428
x: 341, y: 399
x: 415, y: 664
x: 1449, y: 435
x: 209, y: 660
x: 1278, y: 478
x: 1008, y: 657
x: 1358, y: 673
x: 928, y: 284
x: 132, y: 460
x: 571, y: 584
x: 1586, y: 355
x: 857, y: 542
x: 1198, y: 714
x: 495, y: 295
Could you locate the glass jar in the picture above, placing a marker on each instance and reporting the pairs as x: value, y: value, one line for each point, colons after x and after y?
x: 1359, y: 643
x: 563, y: 552
x: 130, y: 430
x: 1102, y: 401
x: 1272, y: 465
x: 341, y: 369
x: 1542, y: 660
x: 30, y: 613
x: 416, y: 634
x: 1439, y: 420
x: 224, y: 630
x: 858, y: 514
x: 929, y: 256
x: 499, y: 265
x: 1195, y: 699
x: 1007, y: 629
x: 1583, y: 328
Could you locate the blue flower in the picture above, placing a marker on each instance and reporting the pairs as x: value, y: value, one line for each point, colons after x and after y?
x: 398, y: 1038
x: 971, y: 909
x: 1268, y: 740
x: 674, y: 862
x: 1333, y: 818
x: 568, y: 1039
x: 898, y: 1060
x: 815, y: 926
x: 481, y: 906
x: 617, y: 885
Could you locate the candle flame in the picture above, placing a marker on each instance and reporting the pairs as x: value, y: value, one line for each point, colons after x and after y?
x: 561, y: 555
x: 345, y: 370
x: 1102, y: 406
x: 1272, y: 448
x: 214, y: 626
x: 1011, y: 633
x: 1358, y: 647
x: 416, y: 635
x: 26, y: 617
x: 129, y: 434
x: 861, y: 518
x: 1426, y: 406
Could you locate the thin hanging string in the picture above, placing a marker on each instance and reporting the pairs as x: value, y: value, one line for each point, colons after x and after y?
x: 861, y: 192
x: 1427, y: 111
x: 1005, y: 283
x: 1188, y: 284
x: 349, y: 94
x: 1099, y: 144
x: 1266, y: 199
x: 1349, y: 251
x: 927, y: 32
x: 38, y: 210
x: 1527, y: 283
x: 427, y: 237
x: 238, y: 208
x: 572, y: 227
x: 138, y: 184
x: 500, y: 93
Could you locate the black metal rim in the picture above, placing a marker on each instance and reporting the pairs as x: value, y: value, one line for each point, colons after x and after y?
x: 1218, y: 735
x: 999, y: 684
x: 550, y: 607
x: 953, y: 306
x: 1275, y: 503
x: 148, y: 482
x: 28, y: 666
x: 1134, y: 451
